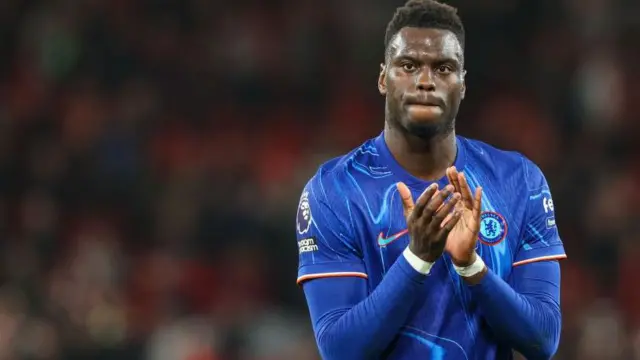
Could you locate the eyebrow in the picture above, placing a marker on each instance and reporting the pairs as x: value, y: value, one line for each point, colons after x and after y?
x: 412, y: 55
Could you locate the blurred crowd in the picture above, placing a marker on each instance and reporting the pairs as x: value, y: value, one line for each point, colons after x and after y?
x: 152, y: 153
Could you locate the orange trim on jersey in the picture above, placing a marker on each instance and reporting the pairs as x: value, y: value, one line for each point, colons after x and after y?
x: 541, y: 258
x: 304, y: 278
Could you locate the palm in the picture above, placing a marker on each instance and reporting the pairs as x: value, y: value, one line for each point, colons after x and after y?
x: 461, y: 242
x: 464, y: 234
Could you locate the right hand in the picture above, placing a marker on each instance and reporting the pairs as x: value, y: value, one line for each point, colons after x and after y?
x: 425, y: 219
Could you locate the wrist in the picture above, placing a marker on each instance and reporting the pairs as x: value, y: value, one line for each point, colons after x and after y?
x: 426, y: 257
x: 477, y: 278
x: 419, y: 265
x: 475, y: 267
x: 465, y: 263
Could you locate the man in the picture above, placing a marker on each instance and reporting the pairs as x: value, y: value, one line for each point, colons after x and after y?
x: 469, y: 270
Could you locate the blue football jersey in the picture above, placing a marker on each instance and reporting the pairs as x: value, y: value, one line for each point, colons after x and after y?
x: 350, y: 222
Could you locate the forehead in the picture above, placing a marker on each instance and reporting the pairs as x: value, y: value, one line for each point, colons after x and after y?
x: 425, y: 42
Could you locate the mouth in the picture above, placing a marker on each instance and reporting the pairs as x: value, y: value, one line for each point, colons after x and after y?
x: 426, y: 102
x: 423, y: 105
x: 424, y: 108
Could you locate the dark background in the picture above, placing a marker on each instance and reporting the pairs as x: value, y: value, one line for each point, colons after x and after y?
x: 152, y: 154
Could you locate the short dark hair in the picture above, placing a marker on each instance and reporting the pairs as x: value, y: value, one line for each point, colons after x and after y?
x: 425, y: 14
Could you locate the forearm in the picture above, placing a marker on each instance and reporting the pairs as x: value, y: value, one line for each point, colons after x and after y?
x: 363, y: 329
x: 528, y: 316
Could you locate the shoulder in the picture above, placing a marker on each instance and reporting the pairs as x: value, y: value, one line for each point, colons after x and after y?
x: 336, y: 178
x: 503, y: 163
x: 326, y: 195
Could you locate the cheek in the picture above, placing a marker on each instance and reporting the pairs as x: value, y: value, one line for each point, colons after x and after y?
x: 398, y: 86
x: 398, y: 79
x: 455, y: 90
x: 392, y: 91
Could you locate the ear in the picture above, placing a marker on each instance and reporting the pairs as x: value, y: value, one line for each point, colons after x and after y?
x: 382, y: 80
x: 463, y: 89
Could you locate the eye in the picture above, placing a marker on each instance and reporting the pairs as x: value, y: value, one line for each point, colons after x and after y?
x: 409, y: 67
x: 445, y: 69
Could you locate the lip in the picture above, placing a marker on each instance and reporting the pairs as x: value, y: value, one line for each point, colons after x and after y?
x: 424, y: 101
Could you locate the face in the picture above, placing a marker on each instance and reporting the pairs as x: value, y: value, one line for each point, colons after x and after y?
x: 423, y: 81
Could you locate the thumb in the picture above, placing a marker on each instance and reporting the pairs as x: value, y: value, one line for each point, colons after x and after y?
x: 407, y: 200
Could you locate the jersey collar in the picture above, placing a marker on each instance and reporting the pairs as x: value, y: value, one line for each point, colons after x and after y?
x: 404, y: 176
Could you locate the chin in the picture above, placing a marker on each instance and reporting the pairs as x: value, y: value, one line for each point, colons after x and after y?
x: 428, y: 128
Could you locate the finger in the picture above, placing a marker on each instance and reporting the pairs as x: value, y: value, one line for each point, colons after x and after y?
x: 455, y: 217
x: 443, y: 204
x: 407, y: 200
x: 477, y: 203
x: 445, y: 200
x: 465, y: 190
x: 435, y: 202
x: 451, y: 176
x: 423, y: 199
x: 444, y: 211
x: 446, y: 220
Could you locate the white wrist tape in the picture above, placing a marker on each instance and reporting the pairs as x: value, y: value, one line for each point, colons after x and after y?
x: 421, y: 266
x: 473, y: 269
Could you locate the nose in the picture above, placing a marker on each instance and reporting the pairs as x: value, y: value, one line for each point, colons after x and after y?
x: 425, y: 81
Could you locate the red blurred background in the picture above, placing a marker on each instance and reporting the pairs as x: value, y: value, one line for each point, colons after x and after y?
x: 152, y: 153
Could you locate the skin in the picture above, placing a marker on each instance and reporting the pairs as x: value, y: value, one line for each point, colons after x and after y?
x: 422, y: 65
x: 422, y: 81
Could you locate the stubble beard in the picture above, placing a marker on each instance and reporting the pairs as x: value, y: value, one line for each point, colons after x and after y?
x: 426, y: 131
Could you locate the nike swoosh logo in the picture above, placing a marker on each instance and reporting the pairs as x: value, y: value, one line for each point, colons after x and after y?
x: 384, y: 241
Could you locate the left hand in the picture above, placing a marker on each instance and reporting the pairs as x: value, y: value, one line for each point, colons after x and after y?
x: 462, y: 240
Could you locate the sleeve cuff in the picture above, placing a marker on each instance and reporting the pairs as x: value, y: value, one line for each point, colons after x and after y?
x: 332, y: 269
x: 553, y: 252
x: 419, y: 265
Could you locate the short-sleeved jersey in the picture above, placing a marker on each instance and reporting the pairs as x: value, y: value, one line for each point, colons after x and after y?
x: 350, y: 222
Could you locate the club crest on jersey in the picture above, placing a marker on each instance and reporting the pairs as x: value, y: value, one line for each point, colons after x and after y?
x: 493, y: 228
x: 303, y: 218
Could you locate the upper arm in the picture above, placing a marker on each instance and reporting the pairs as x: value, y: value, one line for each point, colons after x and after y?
x: 329, y: 298
x: 540, y: 239
x: 330, y: 266
x: 326, y: 244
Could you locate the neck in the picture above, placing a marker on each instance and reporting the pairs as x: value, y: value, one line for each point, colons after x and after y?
x: 426, y: 159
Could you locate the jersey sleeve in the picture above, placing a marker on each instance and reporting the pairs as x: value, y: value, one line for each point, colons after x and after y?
x: 326, y: 244
x: 540, y: 239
